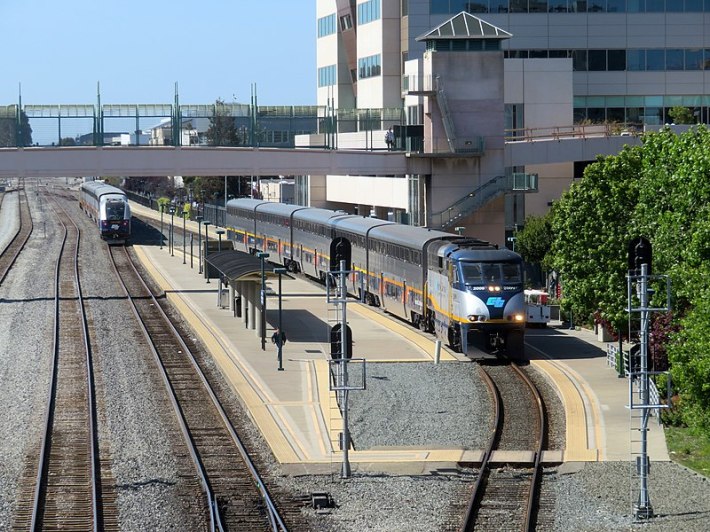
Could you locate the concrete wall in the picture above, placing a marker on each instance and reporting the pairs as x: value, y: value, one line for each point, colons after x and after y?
x: 365, y: 190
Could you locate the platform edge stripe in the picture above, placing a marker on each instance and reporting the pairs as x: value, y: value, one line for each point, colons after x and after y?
x: 329, y: 410
x: 282, y: 449
x: 577, y: 441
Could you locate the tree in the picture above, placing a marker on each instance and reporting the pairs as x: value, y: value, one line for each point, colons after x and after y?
x: 533, y: 242
x: 659, y: 190
x: 9, y: 132
x: 591, y: 224
x: 67, y: 141
x: 681, y: 115
x: 223, y: 128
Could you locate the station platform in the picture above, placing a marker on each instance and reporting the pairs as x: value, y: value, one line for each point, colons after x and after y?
x: 297, y: 412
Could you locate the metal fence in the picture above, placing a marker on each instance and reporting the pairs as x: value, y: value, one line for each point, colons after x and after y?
x: 185, y: 125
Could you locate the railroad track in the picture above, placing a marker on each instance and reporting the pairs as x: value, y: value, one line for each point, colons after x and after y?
x: 16, y: 245
x: 507, y: 498
x: 235, y: 496
x: 65, y: 490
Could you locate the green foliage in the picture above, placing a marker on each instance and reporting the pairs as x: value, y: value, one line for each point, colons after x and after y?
x: 591, y: 225
x: 659, y: 190
x: 681, y: 115
x: 534, y: 240
x: 690, y: 448
x: 9, y: 133
x: 223, y: 128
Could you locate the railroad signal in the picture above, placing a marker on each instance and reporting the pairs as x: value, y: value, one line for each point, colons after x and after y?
x: 336, y: 350
x: 340, y: 249
x: 640, y: 252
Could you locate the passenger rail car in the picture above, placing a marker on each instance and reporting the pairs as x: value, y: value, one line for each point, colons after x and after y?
x: 108, y: 207
x: 465, y: 290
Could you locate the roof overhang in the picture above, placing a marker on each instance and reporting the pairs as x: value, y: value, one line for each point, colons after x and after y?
x: 237, y: 266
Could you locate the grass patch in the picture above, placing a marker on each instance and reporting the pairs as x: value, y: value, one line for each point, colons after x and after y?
x: 689, y: 448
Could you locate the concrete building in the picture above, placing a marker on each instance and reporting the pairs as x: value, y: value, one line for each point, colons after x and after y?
x: 477, y: 76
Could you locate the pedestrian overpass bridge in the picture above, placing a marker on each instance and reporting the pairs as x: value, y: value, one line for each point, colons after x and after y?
x: 126, y: 161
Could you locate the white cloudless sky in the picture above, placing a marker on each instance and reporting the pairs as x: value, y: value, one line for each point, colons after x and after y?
x: 137, y: 50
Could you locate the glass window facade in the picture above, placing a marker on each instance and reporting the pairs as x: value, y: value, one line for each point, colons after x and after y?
x: 656, y: 59
x: 451, y: 7
x: 327, y: 76
x: 369, y: 11
x: 326, y: 25
x: 369, y: 67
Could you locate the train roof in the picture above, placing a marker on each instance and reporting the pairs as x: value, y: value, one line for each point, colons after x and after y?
x: 408, y: 235
x: 281, y: 209
x: 486, y: 254
x: 321, y: 216
x: 359, y: 225
x: 99, y: 188
x: 244, y: 203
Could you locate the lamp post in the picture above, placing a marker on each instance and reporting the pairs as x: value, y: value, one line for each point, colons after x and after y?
x: 207, y: 246
x: 184, y: 234
x: 219, y: 232
x: 172, y: 230
x: 263, y: 256
x: 162, y: 208
x: 280, y: 271
x: 199, y: 242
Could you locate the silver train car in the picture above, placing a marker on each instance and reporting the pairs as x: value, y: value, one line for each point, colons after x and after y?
x: 466, y: 291
x: 108, y: 207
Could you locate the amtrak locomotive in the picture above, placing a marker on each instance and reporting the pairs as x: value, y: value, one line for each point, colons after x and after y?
x: 465, y: 290
x: 108, y: 207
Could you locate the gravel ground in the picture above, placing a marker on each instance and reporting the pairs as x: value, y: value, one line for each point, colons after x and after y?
x: 440, y: 397
x: 26, y: 303
x: 413, y: 404
x: 599, y: 498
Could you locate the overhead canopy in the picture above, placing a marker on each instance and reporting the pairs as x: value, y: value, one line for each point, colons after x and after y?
x: 239, y: 266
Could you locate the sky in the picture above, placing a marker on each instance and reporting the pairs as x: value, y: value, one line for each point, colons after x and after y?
x: 58, y: 50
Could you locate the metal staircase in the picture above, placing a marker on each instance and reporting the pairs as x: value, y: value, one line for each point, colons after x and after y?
x: 445, y: 113
x: 516, y: 182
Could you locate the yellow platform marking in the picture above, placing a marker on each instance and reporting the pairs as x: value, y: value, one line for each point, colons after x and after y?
x: 421, y: 342
x: 577, y: 448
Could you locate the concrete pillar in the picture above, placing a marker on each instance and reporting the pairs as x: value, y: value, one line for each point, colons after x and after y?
x: 232, y: 297
x: 253, y: 303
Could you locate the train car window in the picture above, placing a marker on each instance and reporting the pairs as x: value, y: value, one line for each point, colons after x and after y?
x: 511, y: 272
x: 115, y: 210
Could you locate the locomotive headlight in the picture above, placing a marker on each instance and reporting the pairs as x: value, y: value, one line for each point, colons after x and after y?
x: 493, y: 288
x: 519, y: 317
x: 472, y: 317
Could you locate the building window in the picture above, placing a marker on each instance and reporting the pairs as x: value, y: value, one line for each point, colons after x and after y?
x: 326, y: 76
x: 369, y: 67
x: 368, y: 11
x: 326, y: 25
x: 346, y: 22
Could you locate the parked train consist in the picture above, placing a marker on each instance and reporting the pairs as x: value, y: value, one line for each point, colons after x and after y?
x: 109, y: 208
x: 463, y: 289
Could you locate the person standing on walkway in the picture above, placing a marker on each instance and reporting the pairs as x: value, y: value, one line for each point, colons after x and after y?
x: 278, y: 338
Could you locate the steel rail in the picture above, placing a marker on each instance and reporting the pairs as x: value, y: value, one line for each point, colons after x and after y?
x: 275, y: 519
x: 476, y: 500
x: 46, y: 446
x: 533, y: 494
x: 474, y: 503
x: 18, y: 241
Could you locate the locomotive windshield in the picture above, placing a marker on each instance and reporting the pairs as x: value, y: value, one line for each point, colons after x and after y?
x: 481, y: 273
x: 115, y: 211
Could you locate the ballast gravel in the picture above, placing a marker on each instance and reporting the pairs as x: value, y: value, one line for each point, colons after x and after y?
x: 404, y: 405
